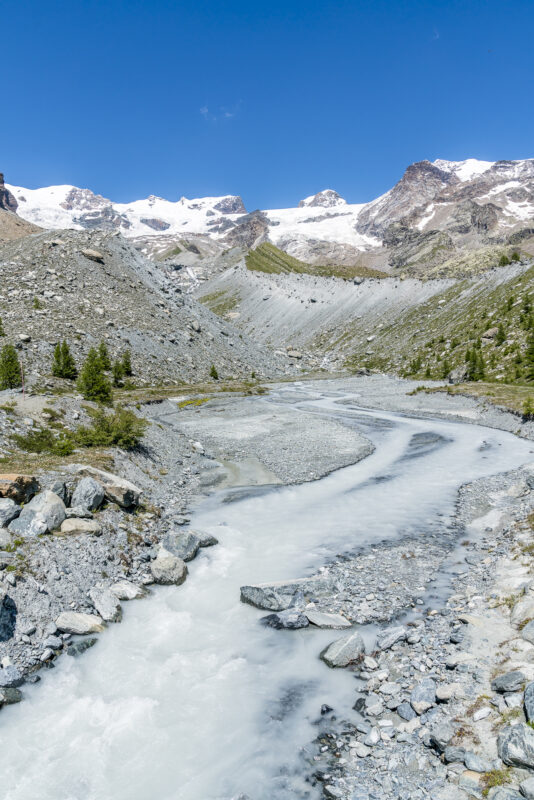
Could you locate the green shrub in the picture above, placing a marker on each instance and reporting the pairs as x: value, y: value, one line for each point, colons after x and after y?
x: 516, y: 256
x: 103, y: 355
x: 127, y: 364
x: 37, y: 304
x: 92, y: 382
x: 42, y: 440
x: 528, y: 409
x: 122, y: 428
x: 504, y: 261
x: 213, y: 373
x: 10, y: 370
x: 118, y: 373
x: 2, y: 331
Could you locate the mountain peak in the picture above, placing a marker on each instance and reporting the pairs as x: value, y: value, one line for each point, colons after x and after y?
x: 325, y: 199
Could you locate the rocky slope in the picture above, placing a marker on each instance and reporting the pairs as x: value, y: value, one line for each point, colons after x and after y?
x: 438, y: 212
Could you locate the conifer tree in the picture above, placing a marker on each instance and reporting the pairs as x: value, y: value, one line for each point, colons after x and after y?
x: 118, y: 373
x: 529, y: 358
x: 213, y: 373
x: 63, y: 365
x: 92, y: 382
x: 103, y: 355
x: 56, y: 363
x: 445, y: 369
x: 127, y: 364
x: 501, y: 335
x: 2, y: 331
x: 10, y: 374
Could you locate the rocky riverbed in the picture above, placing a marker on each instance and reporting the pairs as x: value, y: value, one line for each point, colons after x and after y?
x: 441, y: 613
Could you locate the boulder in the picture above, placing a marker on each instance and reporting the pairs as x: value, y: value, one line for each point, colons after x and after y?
x: 77, y: 512
x: 205, y: 539
x: 93, y: 255
x: 76, y: 525
x: 523, y: 611
x: 10, y: 677
x: 20, y: 488
x: 515, y: 746
x: 344, y: 651
x: 183, y: 544
x: 423, y: 696
x: 78, y: 623
x: 266, y: 596
x: 10, y: 696
x: 405, y: 711
x: 45, y: 512
x: 390, y: 636
x: 440, y: 736
x: 528, y: 701
x: 117, y: 490
x: 476, y: 763
x: 322, y: 620
x: 290, y: 620
x: 509, y: 682
x: 77, y: 648
x: 9, y: 510
x: 527, y: 789
x: 503, y: 793
x: 527, y: 632
x: 168, y: 568
x: 126, y: 590
x: 88, y: 494
x: 106, y: 603
x: 5, y: 539
x: 60, y: 488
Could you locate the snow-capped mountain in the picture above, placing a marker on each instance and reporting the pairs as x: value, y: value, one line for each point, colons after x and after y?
x: 472, y: 202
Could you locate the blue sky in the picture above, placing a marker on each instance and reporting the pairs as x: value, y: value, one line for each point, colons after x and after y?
x: 273, y: 101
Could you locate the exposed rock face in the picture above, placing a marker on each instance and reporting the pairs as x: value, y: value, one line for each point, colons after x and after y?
x: 230, y: 205
x: 515, y: 745
x: 156, y: 224
x: 20, y: 488
x: 88, y: 494
x: 7, y: 200
x: 250, y: 230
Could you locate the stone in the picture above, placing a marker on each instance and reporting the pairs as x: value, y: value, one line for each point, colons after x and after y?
x: 10, y: 677
x: 106, y: 603
x: 528, y: 701
x: 522, y: 612
x: 509, y: 682
x: 423, y: 696
x: 45, y: 512
x: 183, y: 544
x: 77, y: 525
x: 476, y: 763
x: 5, y: 539
x: 405, y: 711
x: 168, y: 569
x: 9, y: 510
x: 117, y: 490
x: 266, y: 596
x: 54, y: 642
x: 446, y: 691
x: 289, y: 620
x: 527, y: 788
x: 322, y: 620
x: 79, y: 623
x: 515, y: 746
x: 453, y: 754
x: 60, y: 488
x: 20, y: 488
x: 126, y: 590
x: 205, y: 539
x: 527, y: 632
x: 344, y: 651
x: 9, y: 697
x: 503, y: 793
x: 88, y: 494
x: 93, y: 255
x: 441, y: 735
x: 77, y: 648
x: 481, y: 713
x: 77, y: 512
x: 390, y: 636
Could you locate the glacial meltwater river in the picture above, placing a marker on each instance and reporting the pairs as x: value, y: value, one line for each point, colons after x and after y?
x: 191, y: 698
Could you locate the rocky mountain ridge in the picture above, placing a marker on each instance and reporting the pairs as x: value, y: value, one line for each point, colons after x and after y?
x: 436, y: 211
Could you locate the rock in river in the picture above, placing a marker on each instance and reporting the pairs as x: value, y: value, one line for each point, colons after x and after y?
x: 322, y: 620
x: 168, y: 568
x: 390, y: 636
x: 290, y: 620
x: 183, y: 544
x: 106, y: 603
x: 10, y: 677
x: 515, y: 745
x: 76, y: 622
x: 344, y: 651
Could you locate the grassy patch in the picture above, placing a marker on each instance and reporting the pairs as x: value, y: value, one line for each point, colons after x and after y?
x: 497, y: 777
x: 511, y: 397
x: 269, y: 259
x: 193, y: 401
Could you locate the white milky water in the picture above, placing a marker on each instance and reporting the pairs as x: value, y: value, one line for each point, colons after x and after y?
x: 191, y: 698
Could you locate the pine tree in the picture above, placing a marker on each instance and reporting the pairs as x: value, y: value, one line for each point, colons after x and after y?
x: 213, y: 373
x: 10, y: 374
x: 127, y: 364
x: 445, y: 369
x: 63, y: 365
x: 2, y: 331
x: 103, y: 355
x: 501, y: 335
x: 92, y: 382
x: 118, y: 373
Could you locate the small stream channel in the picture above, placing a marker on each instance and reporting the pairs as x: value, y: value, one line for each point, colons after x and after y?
x: 191, y: 698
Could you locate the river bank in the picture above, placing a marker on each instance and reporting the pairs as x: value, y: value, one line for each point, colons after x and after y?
x: 238, y: 443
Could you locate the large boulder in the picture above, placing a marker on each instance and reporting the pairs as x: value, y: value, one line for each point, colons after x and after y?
x: 126, y: 590
x: 20, y: 488
x: 390, y: 636
x: 9, y: 510
x: 183, y: 544
x: 168, y: 568
x: 78, y: 623
x: 320, y: 619
x: 280, y: 595
x: 88, y: 494
x: 509, y: 682
x: 106, y: 603
x: 117, y: 490
x: 515, y: 745
x: 523, y: 611
x: 10, y: 677
x: 528, y: 701
x: 77, y: 525
x: 344, y: 651
x: 45, y: 512
x: 288, y: 620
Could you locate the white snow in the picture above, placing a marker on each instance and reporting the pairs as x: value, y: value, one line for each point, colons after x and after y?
x: 464, y: 170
